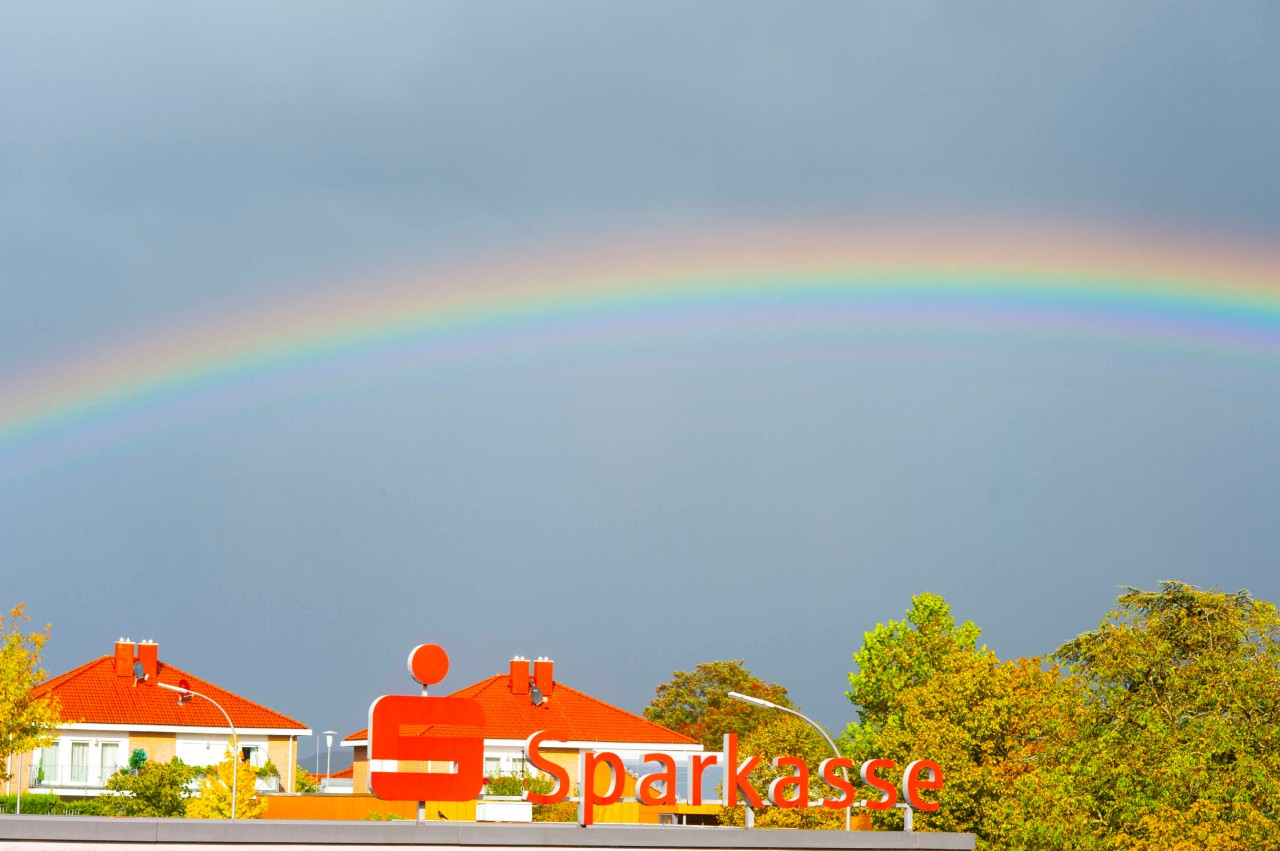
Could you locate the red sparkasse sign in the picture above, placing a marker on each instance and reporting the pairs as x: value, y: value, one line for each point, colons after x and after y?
x: 397, y: 726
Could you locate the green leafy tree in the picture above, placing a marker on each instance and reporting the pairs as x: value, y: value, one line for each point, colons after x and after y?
x: 154, y: 789
x: 214, y: 798
x: 27, y: 722
x: 1180, y: 733
x: 906, y: 654
x: 1160, y: 731
x: 926, y: 689
x: 696, y: 703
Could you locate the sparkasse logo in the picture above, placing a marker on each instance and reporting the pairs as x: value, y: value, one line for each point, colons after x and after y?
x: 397, y: 734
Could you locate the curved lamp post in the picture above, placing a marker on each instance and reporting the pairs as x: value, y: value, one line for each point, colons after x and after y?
x: 759, y: 701
x: 183, y: 694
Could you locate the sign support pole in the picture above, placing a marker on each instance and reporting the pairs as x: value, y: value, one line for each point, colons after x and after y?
x: 422, y: 805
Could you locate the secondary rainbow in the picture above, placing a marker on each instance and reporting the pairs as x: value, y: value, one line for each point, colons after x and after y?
x: 1198, y: 292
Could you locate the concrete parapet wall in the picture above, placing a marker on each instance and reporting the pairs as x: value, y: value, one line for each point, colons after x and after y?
x: 82, y: 833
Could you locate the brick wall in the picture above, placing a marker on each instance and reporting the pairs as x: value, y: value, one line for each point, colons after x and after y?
x: 160, y: 747
x: 360, y: 770
x: 283, y: 751
x: 19, y: 777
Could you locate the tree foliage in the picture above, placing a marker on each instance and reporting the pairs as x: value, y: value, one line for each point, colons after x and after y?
x: 153, y: 789
x: 1180, y: 730
x: 927, y: 689
x: 903, y: 655
x: 304, y: 782
x: 26, y: 723
x: 214, y: 798
x: 787, y: 735
x: 1161, y: 728
x: 696, y: 703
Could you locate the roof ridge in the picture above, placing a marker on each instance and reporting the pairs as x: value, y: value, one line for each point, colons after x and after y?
x: 480, y: 686
x: 226, y: 691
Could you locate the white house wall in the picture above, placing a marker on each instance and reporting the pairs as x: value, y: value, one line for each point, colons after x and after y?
x: 210, y: 749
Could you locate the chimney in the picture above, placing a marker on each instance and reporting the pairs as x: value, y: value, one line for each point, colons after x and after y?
x: 519, y: 675
x: 149, y: 656
x: 542, y: 675
x: 124, y: 658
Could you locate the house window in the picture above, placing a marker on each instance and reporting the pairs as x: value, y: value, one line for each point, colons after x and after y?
x: 254, y: 755
x: 79, y: 762
x: 492, y: 766
x: 110, y: 759
x: 45, y: 771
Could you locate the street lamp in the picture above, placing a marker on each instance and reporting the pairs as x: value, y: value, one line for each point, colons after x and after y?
x: 185, y: 693
x: 328, y: 753
x: 759, y: 701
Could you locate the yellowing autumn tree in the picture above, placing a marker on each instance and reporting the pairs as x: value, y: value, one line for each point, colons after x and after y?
x: 696, y: 703
x: 787, y: 735
x: 214, y: 798
x: 26, y: 723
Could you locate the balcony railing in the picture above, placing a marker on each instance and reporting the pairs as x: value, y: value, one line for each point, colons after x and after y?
x: 70, y: 776
x: 94, y: 778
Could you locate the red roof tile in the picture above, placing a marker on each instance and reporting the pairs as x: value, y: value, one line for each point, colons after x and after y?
x: 93, y: 694
x: 568, y: 714
x: 347, y: 773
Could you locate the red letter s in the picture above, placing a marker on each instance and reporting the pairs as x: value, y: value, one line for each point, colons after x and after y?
x: 869, y: 769
x: 541, y: 763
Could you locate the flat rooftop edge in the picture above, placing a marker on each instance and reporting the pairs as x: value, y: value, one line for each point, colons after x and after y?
x: 16, y: 831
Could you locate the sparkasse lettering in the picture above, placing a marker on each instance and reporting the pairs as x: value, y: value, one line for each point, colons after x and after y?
x: 787, y: 791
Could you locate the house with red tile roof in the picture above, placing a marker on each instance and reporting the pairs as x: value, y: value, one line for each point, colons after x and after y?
x: 517, y: 705
x: 112, y: 707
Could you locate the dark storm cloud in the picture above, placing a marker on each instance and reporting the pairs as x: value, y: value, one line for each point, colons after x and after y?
x: 160, y: 161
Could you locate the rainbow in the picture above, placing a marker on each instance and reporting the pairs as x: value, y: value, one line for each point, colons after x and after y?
x: 840, y: 282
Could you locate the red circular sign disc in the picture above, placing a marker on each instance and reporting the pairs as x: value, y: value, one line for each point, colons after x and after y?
x: 428, y: 663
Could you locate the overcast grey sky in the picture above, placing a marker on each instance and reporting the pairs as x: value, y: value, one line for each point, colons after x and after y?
x: 638, y: 513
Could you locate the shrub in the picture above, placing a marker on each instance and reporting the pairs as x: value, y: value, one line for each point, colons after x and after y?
x: 304, y: 781
x: 517, y: 784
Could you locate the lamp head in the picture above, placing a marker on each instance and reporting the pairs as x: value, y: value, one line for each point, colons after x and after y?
x: 758, y: 701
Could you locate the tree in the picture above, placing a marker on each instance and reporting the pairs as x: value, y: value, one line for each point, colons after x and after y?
x: 214, y: 798
x: 26, y: 722
x: 926, y: 689
x: 1180, y: 731
x: 697, y: 704
x: 154, y: 789
x: 787, y: 735
x: 905, y: 654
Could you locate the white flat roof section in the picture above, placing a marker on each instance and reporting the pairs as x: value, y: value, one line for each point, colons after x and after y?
x: 88, y: 833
